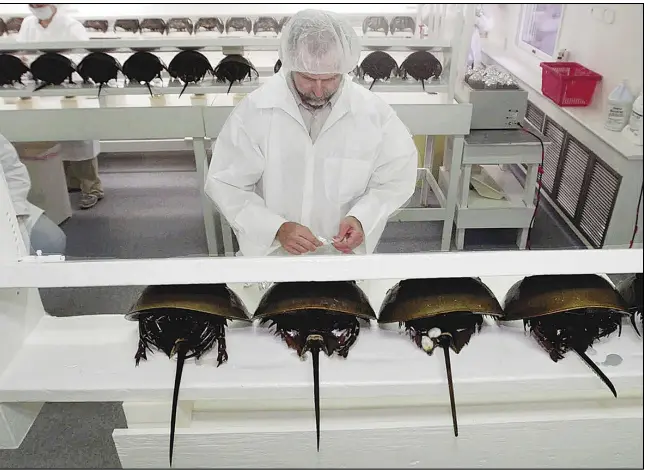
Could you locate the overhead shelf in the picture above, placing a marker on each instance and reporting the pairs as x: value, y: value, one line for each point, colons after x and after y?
x: 207, y: 44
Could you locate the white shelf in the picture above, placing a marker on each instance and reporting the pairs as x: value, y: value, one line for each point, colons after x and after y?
x: 107, y: 272
x: 590, y: 117
x: 206, y: 87
x: 90, y: 358
x: 207, y: 44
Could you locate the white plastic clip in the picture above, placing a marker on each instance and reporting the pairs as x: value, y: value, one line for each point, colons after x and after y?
x: 40, y: 258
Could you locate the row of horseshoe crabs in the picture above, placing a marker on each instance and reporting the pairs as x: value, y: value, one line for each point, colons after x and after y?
x: 188, y: 66
x: 191, y: 66
x: 563, y: 313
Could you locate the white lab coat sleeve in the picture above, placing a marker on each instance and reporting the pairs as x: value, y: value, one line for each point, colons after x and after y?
x: 16, y: 176
x: 391, y: 184
x: 236, y: 167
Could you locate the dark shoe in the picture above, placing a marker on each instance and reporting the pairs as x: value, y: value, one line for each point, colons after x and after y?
x: 88, y: 201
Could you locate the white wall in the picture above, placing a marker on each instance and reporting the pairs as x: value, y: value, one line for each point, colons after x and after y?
x: 613, y: 50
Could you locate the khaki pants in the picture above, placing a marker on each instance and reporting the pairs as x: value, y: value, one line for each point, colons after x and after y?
x: 83, y: 175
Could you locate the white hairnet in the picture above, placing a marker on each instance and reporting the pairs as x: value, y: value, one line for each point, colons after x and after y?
x: 319, y: 42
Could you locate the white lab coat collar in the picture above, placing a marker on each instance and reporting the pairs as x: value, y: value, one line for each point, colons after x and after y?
x: 276, y: 94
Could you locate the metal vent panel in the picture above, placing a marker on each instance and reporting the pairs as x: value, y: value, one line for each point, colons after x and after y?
x: 574, y: 167
x: 552, y: 153
x: 535, y: 116
x: 599, y: 202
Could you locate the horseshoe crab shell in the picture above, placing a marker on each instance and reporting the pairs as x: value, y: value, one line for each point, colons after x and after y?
x: 208, y: 25
x: 126, y: 26
x: 375, y: 24
x: 96, y: 26
x: 266, y: 24
x: 52, y: 68
x: 185, y: 321
x: 314, y: 317
x: 402, y: 24
x: 239, y: 24
x: 337, y: 297
x: 153, y: 25
x: 214, y: 299
x: 536, y: 296
x: 412, y: 299
x: 180, y: 25
x: 12, y: 69
x: 13, y: 25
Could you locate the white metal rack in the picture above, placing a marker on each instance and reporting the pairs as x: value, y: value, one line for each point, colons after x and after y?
x: 423, y: 112
x: 493, y: 149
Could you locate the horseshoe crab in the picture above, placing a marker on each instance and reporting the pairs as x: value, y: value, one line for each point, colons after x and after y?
x: 567, y: 312
x: 100, y: 68
x: 266, y: 24
x: 208, y: 25
x: 189, y: 67
x: 13, y: 25
x: 186, y: 321
x: 632, y: 292
x: 440, y: 313
x: 143, y: 66
x: 52, y: 68
x: 314, y: 317
x: 96, y: 26
x: 378, y: 65
x: 421, y: 65
x: 402, y: 24
x: 180, y: 25
x: 375, y: 24
x: 239, y: 24
x: 126, y: 26
x: 153, y: 25
x: 233, y: 68
x: 12, y: 69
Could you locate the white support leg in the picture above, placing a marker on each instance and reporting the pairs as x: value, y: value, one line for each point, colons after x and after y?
x: 452, y: 191
x: 428, y: 163
x: 201, y: 159
x: 529, y: 200
x: 466, y: 174
x: 20, y: 311
x: 15, y: 421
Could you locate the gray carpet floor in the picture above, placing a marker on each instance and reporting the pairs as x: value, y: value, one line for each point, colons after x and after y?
x: 152, y: 209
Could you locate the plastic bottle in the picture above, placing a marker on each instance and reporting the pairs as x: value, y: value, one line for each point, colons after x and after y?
x: 634, y: 130
x: 619, y: 107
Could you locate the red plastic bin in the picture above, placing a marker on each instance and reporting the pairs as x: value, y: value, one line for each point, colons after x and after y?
x: 568, y: 83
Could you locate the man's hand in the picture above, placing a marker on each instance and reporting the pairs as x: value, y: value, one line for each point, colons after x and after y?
x: 350, y: 235
x: 297, y: 239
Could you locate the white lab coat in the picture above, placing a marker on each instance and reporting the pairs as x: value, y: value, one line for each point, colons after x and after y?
x: 265, y: 170
x: 62, y: 28
x: 18, y: 182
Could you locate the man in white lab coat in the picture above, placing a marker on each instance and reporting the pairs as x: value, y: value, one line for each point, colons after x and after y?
x: 310, y: 158
x: 37, y: 230
x: 45, y: 24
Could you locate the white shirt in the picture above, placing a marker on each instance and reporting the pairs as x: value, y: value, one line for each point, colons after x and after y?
x: 266, y: 168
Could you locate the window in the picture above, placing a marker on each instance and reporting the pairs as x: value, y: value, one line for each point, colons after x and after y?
x: 539, y: 28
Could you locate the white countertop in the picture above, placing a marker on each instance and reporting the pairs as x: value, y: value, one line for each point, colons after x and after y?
x: 590, y: 117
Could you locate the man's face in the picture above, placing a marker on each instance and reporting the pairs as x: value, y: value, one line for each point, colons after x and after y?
x: 316, y: 90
